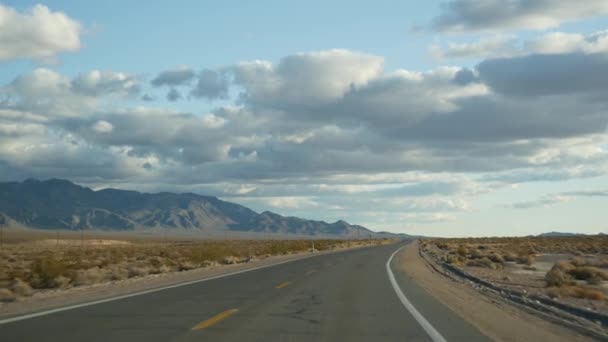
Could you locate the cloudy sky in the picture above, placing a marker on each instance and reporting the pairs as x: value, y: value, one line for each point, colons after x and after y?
x: 455, y: 118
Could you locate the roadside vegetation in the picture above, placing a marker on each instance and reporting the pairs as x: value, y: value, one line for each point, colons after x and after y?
x: 26, y: 268
x: 560, y: 267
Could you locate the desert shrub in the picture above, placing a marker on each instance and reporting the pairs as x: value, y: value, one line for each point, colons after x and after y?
x: 21, y: 288
x: 483, y: 262
x: 525, y: 259
x: 582, y: 273
x: 7, y: 296
x: 510, y: 257
x: 137, y: 271
x: 90, y: 276
x: 556, y: 277
x: 453, y: 260
x: 118, y: 272
x: 497, y: 258
x: 581, y: 292
x: 61, y: 282
x: 462, y: 251
x: 590, y: 274
x: 44, y: 271
x: 476, y: 254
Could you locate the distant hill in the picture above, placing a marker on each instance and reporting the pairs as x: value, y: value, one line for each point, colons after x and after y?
x: 61, y: 204
x: 558, y: 234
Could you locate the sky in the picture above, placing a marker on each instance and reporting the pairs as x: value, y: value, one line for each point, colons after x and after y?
x: 438, y: 118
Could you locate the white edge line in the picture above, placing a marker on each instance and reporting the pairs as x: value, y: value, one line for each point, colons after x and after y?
x: 430, y: 330
x: 105, y: 300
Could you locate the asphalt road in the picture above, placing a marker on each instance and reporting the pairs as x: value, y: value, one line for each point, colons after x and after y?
x: 344, y: 296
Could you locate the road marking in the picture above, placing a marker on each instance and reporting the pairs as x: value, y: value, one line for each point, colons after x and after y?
x: 111, y: 299
x: 433, y: 334
x: 311, y: 272
x: 282, y: 285
x: 215, y: 319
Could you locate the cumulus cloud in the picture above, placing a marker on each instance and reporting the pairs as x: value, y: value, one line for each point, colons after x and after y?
x: 173, y: 78
x: 38, y: 33
x: 95, y: 83
x: 306, y: 79
x: 495, y: 15
x: 46, y: 92
x: 330, y: 128
x: 211, y: 85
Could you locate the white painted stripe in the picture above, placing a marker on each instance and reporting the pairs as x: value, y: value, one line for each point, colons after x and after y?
x: 430, y: 330
x: 105, y: 300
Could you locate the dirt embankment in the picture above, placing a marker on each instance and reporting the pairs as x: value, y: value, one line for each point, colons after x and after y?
x: 492, y: 316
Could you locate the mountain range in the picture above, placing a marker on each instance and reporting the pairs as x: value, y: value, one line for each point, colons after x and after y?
x: 61, y: 204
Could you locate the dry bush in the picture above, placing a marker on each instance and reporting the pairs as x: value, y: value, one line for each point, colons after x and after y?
x: 591, y: 274
x: 557, y: 277
x: 7, y: 296
x: 483, y: 262
x: 476, y: 254
x: 90, y: 276
x: 510, y: 256
x: 576, y: 292
x: 21, y: 288
x: 61, y: 282
x: 497, y: 258
x: 44, y: 271
x: 525, y: 259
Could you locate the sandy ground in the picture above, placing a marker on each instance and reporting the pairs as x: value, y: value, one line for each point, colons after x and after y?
x: 494, y: 318
x: 49, y: 299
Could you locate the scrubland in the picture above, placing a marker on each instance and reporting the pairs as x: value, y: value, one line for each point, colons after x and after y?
x: 571, y: 269
x: 29, y: 266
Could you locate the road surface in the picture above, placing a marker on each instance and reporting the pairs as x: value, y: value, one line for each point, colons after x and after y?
x: 345, y: 296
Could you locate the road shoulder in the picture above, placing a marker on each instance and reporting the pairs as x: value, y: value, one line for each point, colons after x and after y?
x: 494, y: 318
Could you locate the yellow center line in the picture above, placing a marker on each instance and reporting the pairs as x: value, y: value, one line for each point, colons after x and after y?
x: 215, y: 319
x: 282, y: 285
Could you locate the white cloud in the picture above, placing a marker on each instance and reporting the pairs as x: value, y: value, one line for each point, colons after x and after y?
x: 307, y: 79
x: 37, y: 34
x: 103, y: 126
x: 560, y: 43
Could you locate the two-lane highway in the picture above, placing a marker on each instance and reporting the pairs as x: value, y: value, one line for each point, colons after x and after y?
x: 345, y: 296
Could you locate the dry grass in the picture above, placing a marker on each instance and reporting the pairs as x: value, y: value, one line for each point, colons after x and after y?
x: 26, y: 268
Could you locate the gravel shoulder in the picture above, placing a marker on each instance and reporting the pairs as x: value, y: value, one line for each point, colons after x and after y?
x: 492, y: 316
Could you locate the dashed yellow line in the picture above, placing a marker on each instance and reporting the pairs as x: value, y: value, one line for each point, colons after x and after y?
x: 215, y: 319
x: 282, y: 285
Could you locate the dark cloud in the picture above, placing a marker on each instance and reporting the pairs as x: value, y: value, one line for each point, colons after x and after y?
x: 173, y: 95
x: 173, y: 78
x: 555, y: 74
x: 481, y: 15
x: 210, y: 85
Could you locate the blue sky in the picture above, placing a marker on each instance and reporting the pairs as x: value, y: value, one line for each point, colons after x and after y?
x: 441, y: 118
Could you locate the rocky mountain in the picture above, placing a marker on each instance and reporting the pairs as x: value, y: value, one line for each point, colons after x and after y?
x: 61, y: 204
